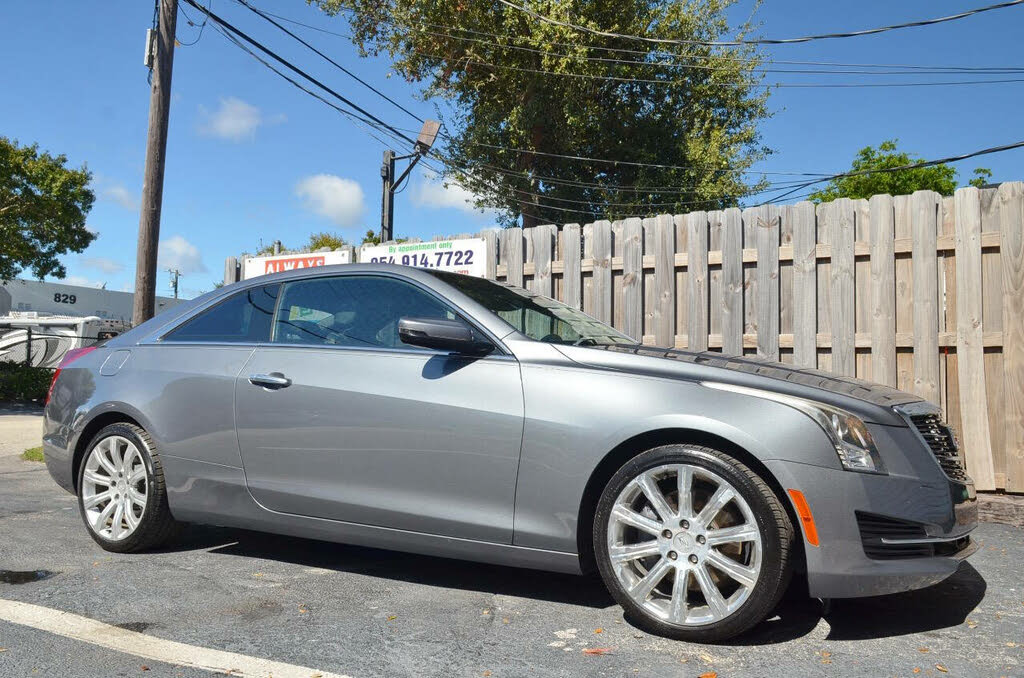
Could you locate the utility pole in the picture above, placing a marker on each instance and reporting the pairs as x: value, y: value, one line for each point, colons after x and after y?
x: 156, y: 148
x: 175, y: 274
x: 428, y: 134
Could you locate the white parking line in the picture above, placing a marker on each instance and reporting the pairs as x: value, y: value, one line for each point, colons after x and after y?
x: 115, y: 638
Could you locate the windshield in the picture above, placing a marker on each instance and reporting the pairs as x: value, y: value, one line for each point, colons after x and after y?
x: 535, y: 316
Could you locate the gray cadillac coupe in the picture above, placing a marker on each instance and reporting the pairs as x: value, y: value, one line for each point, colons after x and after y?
x: 442, y: 414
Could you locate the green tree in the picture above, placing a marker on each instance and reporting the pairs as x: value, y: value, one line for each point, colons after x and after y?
x: 939, y: 178
x: 43, y: 205
x: 324, y: 239
x: 982, y: 175
x: 542, y: 88
x: 371, y: 238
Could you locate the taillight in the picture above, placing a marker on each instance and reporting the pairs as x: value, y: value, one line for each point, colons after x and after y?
x: 69, y: 357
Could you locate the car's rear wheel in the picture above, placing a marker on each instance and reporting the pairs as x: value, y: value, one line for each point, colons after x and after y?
x: 121, y: 492
x: 692, y: 543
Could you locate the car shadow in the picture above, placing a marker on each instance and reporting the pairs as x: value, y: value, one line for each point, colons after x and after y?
x: 937, y: 607
x: 587, y: 591
x: 943, y: 605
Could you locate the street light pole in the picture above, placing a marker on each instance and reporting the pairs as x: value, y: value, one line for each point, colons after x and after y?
x: 424, y: 141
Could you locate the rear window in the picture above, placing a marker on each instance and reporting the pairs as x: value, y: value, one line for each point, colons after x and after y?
x: 244, y: 317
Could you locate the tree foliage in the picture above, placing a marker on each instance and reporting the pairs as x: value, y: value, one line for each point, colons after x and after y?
x: 43, y: 205
x: 538, y: 87
x: 939, y: 178
x: 324, y: 239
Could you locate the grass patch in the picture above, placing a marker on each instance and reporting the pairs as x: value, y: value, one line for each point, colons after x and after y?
x: 33, y: 454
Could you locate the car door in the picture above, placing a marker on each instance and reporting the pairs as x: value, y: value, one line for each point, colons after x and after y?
x: 338, y: 419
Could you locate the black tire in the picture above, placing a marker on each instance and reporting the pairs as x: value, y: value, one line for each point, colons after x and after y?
x: 776, y: 534
x: 156, y: 525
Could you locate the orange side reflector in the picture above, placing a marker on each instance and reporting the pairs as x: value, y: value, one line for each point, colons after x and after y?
x: 804, y: 511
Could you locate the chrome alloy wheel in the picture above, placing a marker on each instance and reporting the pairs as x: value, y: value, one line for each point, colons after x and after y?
x: 684, y: 544
x: 114, y: 488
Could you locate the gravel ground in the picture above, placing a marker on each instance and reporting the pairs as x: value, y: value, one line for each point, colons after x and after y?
x: 365, y: 612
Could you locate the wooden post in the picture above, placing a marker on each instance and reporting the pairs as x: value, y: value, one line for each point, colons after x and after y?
x: 144, y: 301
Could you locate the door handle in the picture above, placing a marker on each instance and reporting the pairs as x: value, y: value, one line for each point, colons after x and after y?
x: 274, y: 380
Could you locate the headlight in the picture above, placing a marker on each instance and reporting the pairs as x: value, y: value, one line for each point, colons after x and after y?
x: 849, y: 435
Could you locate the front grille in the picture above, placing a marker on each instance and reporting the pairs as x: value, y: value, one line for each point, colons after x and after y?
x: 942, y: 443
x: 874, y: 528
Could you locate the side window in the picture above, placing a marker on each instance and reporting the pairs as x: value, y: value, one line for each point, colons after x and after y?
x: 351, y: 311
x: 242, y: 318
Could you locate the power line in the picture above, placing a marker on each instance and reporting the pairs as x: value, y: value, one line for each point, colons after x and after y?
x: 358, y: 120
x: 202, y: 26
x: 334, y: 63
x: 227, y: 26
x: 902, y: 168
x: 737, y: 85
x: 602, y: 160
x: 759, y: 41
x: 489, y: 39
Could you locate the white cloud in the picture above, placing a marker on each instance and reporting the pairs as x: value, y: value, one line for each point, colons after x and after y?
x: 340, y: 200
x: 103, y: 264
x: 81, y: 281
x: 120, y: 195
x: 440, y: 194
x: 180, y: 254
x: 233, y: 120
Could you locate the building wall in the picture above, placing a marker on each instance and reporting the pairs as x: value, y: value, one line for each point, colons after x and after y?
x: 61, y: 299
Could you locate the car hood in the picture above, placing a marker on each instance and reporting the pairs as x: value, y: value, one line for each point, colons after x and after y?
x: 872, y: 402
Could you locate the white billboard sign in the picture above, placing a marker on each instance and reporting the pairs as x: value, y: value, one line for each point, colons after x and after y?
x: 256, y: 266
x: 467, y: 256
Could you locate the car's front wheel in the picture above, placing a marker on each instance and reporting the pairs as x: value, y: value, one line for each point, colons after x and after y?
x: 121, y: 492
x: 692, y: 543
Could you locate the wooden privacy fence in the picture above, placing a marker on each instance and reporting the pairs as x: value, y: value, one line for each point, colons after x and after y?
x: 920, y: 292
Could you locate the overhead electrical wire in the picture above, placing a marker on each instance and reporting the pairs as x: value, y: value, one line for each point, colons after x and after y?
x: 334, y: 63
x: 737, y: 85
x: 902, y: 168
x: 373, y: 122
x: 759, y: 41
x: 377, y: 124
x: 895, y: 69
x: 218, y: 20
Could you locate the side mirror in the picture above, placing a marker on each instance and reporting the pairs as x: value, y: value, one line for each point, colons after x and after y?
x: 444, y: 335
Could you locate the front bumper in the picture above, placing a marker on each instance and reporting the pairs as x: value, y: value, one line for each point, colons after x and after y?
x: 852, y: 561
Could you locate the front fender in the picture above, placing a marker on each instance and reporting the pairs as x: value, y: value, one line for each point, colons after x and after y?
x: 575, y: 417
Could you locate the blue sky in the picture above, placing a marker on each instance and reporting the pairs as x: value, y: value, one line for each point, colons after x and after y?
x: 251, y: 159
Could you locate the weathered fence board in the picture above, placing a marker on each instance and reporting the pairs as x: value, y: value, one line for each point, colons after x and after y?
x: 732, y: 282
x: 970, y: 352
x: 1011, y: 210
x: 896, y: 289
x: 925, y: 216
x: 633, y: 278
x: 883, y: 295
x: 664, y: 281
x: 572, y: 291
x: 697, y: 235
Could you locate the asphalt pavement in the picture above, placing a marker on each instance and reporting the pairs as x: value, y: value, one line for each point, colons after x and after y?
x: 358, y: 612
